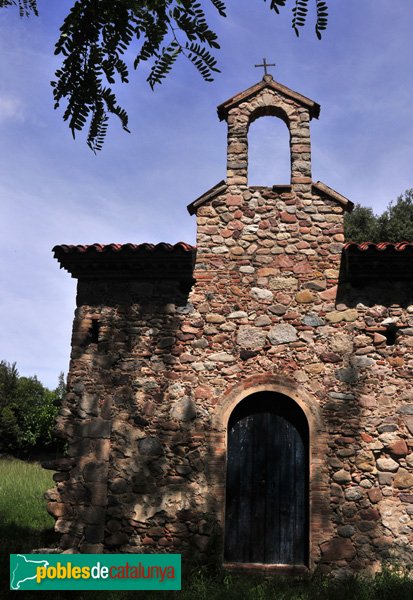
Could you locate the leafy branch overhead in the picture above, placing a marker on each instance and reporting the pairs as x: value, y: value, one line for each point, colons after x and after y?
x: 25, y: 6
x: 96, y: 34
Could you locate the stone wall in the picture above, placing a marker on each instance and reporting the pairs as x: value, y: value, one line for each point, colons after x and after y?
x: 153, y: 382
x: 148, y: 404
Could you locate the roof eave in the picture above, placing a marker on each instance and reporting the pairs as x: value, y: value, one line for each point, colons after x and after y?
x: 320, y: 187
x: 127, y: 261
x: 216, y: 190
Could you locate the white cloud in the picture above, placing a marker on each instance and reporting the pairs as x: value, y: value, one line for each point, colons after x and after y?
x: 11, y: 109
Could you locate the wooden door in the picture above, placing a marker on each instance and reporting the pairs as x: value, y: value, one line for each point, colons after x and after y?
x: 267, y: 482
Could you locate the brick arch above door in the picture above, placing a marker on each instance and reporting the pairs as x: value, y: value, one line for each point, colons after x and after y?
x: 279, y: 384
x: 320, y: 528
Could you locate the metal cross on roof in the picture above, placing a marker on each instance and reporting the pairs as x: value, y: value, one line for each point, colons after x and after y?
x: 265, y: 65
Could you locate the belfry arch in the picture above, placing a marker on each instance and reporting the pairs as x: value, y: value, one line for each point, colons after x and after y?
x: 268, y: 98
x: 269, y: 153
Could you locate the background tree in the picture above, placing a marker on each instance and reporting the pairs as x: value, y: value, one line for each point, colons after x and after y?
x: 27, y: 411
x: 361, y: 225
x: 61, y: 387
x: 394, y: 225
x: 96, y: 34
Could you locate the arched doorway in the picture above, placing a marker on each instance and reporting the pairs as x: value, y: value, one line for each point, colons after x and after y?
x: 266, y: 516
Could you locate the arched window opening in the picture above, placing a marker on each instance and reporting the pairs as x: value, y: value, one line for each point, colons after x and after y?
x: 269, y: 161
x: 267, y: 506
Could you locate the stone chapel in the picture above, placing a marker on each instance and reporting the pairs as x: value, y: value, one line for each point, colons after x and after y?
x: 248, y: 400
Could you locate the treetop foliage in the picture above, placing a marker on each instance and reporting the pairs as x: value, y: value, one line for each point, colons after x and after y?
x: 394, y: 225
x: 27, y: 410
x: 96, y: 34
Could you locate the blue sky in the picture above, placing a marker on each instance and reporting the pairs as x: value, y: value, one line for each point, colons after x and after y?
x: 53, y: 190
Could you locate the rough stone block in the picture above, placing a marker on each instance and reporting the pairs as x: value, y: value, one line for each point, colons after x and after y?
x: 282, y: 334
x: 337, y: 549
x: 184, y: 410
x: 251, y: 338
x: 97, y: 428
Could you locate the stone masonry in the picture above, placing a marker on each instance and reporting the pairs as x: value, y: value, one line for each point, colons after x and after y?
x: 168, y: 340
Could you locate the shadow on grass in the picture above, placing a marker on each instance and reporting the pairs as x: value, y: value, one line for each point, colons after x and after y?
x: 16, y: 539
x: 199, y: 583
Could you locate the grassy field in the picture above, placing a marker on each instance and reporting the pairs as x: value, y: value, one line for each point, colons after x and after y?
x: 24, y: 521
x: 22, y: 485
x: 25, y: 524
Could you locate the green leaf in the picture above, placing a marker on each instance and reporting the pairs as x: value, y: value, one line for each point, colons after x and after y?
x: 26, y: 7
x: 97, y: 35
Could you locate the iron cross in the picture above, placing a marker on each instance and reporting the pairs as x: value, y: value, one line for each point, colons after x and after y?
x: 265, y: 65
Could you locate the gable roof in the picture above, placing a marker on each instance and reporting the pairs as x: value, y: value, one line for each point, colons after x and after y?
x: 268, y: 82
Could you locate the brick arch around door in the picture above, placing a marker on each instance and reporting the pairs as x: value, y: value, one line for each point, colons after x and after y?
x: 269, y: 423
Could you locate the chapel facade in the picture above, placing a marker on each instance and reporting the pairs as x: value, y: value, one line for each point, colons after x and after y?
x: 249, y: 400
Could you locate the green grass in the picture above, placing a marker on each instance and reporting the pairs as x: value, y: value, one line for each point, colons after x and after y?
x: 24, y: 522
x: 22, y: 486
x: 386, y: 586
x: 25, y: 525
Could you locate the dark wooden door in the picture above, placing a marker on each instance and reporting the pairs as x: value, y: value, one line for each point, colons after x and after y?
x: 267, y: 481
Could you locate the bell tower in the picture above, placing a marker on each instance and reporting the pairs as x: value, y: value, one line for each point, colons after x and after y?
x: 268, y: 98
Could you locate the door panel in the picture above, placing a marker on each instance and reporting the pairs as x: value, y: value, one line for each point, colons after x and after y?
x: 266, y: 494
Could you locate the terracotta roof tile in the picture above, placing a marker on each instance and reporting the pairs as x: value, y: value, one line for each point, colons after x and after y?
x: 381, y: 246
x: 127, y: 261
x: 116, y: 248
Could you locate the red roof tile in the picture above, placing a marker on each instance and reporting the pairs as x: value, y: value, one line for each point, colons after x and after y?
x: 363, y: 246
x: 116, y: 248
x: 127, y: 261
